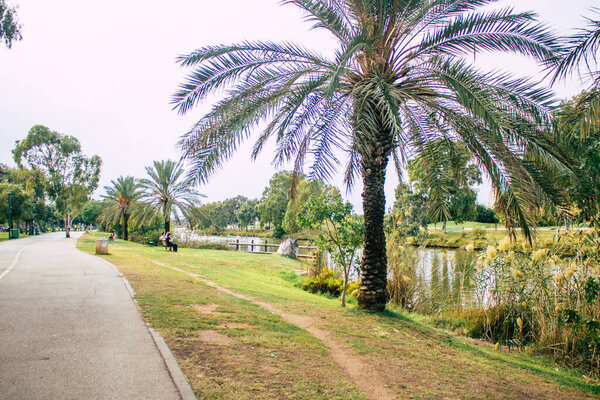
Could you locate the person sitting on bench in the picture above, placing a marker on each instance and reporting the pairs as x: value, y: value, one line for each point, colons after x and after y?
x: 170, y: 242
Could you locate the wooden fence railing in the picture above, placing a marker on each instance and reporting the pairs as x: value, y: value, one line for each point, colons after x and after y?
x: 266, y: 246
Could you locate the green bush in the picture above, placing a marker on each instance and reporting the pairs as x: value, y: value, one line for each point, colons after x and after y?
x: 326, y: 283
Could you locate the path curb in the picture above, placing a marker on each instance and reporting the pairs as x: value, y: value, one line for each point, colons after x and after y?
x: 179, y: 380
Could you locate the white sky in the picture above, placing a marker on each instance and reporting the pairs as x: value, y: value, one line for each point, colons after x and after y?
x: 105, y: 72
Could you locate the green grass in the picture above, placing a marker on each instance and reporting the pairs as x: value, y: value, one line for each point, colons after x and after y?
x: 230, y: 348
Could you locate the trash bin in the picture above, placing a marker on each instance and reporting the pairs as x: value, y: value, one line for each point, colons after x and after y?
x: 102, y: 246
x: 13, y: 233
x: 37, y: 231
x: 31, y: 231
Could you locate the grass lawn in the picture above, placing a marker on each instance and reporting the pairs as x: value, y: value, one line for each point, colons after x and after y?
x: 230, y: 347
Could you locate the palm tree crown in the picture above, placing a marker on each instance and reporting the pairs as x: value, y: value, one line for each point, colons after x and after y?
x: 398, y: 80
x: 120, y: 199
x: 167, y: 196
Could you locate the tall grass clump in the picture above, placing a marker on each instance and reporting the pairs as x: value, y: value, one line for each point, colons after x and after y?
x: 542, y: 301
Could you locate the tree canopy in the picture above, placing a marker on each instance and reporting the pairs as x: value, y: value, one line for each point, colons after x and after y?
x: 70, y: 176
x: 10, y: 29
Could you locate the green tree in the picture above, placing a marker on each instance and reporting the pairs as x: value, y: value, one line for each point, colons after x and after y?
x: 119, y: 202
x: 444, y: 174
x: 305, y: 190
x: 168, y: 196
x: 247, y: 213
x: 91, y: 211
x: 71, y: 177
x: 275, y: 198
x: 10, y: 30
x: 339, y: 232
x: 409, y: 213
x: 20, y: 203
x: 398, y: 79
x: 33, y: 181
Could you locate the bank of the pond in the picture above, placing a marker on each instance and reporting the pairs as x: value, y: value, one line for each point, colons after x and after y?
x: 481, y: 238
x: 241, y: 328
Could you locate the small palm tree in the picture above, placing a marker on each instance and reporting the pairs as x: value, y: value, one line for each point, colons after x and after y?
x: 168, y: 196
x: 119, y: 202
x: 398, y: 80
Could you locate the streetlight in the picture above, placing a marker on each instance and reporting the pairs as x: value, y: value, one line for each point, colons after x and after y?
x: 9, y: 214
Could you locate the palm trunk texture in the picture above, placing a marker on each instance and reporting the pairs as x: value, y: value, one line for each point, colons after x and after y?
x: 373, y: 290
x: 125, y: 229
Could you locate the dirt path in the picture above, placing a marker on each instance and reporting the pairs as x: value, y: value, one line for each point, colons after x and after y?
x: 358, y: 370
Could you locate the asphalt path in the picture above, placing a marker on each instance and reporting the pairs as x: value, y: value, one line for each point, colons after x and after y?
x: 69, y: 328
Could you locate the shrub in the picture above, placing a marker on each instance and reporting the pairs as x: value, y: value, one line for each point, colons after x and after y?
x: 326, y: 283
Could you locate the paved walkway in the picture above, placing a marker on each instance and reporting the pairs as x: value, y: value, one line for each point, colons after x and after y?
x: 69, y: 328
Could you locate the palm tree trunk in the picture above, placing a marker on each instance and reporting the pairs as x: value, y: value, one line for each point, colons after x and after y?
x: 125, y: 228
x: 373, y: 290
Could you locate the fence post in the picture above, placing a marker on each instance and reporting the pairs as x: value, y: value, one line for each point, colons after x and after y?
x: 237, y: 244
x: 251, y: 245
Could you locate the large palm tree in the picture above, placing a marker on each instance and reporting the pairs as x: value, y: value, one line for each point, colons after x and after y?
x: 119, y: 201
x: 168, y: 196
x: 398, y: 80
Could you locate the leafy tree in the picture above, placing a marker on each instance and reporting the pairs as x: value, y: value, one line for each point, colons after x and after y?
x: 91, y: 211
x: 409, y: 213
x: 305, y: 190
x: 9, y: 27
x: 339, y: 232
x: 248, y: 213
x: 71, y: 177
x: 33, y: 181
x: 443, y: 173
x: 231, y: 207
x: 20, y: 202
x: 168, y: 196
x: 119, y: 202
x: 398, y: 80
x: 485, y: 215
x: 275, y: 198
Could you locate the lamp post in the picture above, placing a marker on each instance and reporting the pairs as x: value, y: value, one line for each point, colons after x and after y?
x: 9, y: 212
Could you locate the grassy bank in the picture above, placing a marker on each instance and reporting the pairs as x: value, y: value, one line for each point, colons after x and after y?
x: 482, y: 238
x: 233, y: 348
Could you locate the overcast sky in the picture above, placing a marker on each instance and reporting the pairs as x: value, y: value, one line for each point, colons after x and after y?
x: 105, y: 72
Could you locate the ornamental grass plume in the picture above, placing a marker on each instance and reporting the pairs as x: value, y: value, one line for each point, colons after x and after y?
x: 491, y: 252
x: 470, y: 248
x: 504, y: 244
x: 520, y: 324
x: 516, y: 273
x: 540, y: 255
x: 558, y: 278
x: 570, y: 271
x: 497, y: 346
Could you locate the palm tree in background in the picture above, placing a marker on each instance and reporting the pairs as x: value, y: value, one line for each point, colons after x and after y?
x: 167, y: 196
x: 119, y: 202
x: 582, y: 58
x: 399, y: 79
